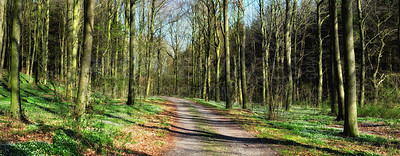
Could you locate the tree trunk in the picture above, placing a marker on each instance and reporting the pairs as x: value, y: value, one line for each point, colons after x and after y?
x: 350, y: 119
x: 336, y: 53
x: 46, y: 42
x: 361, y: 29
x: 243, y: 58
x: 320, y: 73
x: 159, y: 64
x: 107, y: 66
x: 2, y: 22
x: 150, y: 50
x: 288, y: 49
x: 333, y: 86
x: 85, y: 61
x: 227, y: 57
x: 132, y: 30
x: 15, y: 107
x: 70, y: 6
x: 218, y: 71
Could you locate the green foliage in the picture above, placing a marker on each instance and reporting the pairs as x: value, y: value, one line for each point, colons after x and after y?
x: 62, y: 144
x: 379, y: 111
x: 308, y: 129
x: 43, y: 106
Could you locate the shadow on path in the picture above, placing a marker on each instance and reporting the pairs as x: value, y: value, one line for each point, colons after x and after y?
x: 225, y: 138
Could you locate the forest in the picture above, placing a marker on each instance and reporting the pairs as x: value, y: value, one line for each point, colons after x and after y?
x: 199, y: 77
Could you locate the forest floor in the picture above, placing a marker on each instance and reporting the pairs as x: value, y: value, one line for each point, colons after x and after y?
x: 312, y: 131
x: 200, y: 131
x: 174, y: 126
x: 111, y: 127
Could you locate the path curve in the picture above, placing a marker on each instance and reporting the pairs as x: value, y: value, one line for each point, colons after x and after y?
x: 200, y: 131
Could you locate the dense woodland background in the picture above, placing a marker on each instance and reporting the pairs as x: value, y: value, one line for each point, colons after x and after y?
x: 281, y: 54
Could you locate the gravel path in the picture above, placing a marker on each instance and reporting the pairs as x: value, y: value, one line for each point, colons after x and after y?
x: 200, y: 131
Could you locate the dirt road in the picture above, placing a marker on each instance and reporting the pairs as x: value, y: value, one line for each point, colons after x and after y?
x: 200, y: 131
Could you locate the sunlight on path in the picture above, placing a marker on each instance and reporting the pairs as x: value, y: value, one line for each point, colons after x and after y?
x: 201, y: 132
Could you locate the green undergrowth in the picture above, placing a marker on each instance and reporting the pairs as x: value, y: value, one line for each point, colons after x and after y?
x: 311, y: 131
x: 52, y: 116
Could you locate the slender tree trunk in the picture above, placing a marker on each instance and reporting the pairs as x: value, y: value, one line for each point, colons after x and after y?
x: 15, y: 107
x: 288, y: 48
x: 333, y: 86
x: 159, y: 64
x: 350, y: 119
x: 2, y: 23
x: 243, y: 58
x: 336, y: 52
x: 218, y: 57
x: 107, y: 52
x: 70, y: 5
x: 151, y: 31
x: 46, y: 42
x: 193, y: 87
x: 320, y: 73
x: 227, y: 57
x: 361, y: 29
x: 294, y: 27
x: 265, y: 48
x: 85, y: 61
x: 132, y: 30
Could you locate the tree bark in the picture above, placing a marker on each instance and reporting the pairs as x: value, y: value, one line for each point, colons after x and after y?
x: 336, y: 53
x: 243, y: 58
x: 2, y: 22
x: 70, y: 5
x: 320, y: 72
x: 227, y: 57
x: 46, y: 43
x: 350, y: 122
x: 132, y: 30
x: 361, y: 29
x: 150, y: 50
x: 15, y: 107
x: 288, y: 49
x: 85, y: 61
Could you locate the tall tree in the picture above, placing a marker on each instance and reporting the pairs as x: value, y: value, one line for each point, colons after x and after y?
x: 86, y: 56
x: 320, y: 50
x: 45, y: 42
x: 132, y: 30
x: 15, y: 107
x: 362, y: 42
x: 70, y: 17
x: 217, y: 42
x: 152, y: 11
x: 227, y: 57
x: 288, y: 49
x: 2, y: 20
x: 336, y: 53
x: 350, y: 119
x: 243, y: 56
x: 75, y: 45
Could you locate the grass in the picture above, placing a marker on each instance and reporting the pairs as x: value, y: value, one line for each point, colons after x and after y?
x: 110, y: 126
x: 310, y: 131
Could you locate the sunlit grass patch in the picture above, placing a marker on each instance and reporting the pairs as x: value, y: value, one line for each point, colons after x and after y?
x: 53, y: 129
x: 311, y: 131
